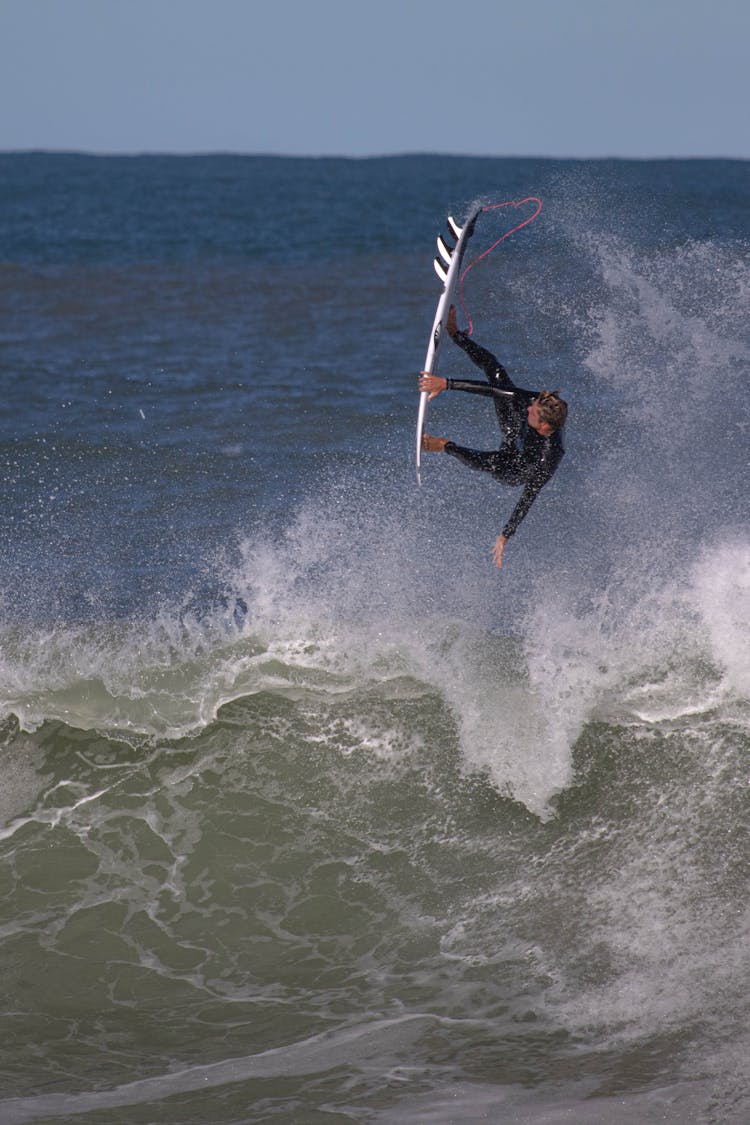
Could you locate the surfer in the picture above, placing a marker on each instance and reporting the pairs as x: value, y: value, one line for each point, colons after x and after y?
x: 530, y: 422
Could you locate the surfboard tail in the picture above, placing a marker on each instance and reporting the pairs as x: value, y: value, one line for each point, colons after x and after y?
x: 447, y: 264
x: 446, y: 249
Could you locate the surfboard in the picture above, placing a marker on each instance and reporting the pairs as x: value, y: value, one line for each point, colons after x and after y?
x: 447, y: 265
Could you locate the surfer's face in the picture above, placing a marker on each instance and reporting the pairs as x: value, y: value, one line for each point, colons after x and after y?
x: 532, y: 414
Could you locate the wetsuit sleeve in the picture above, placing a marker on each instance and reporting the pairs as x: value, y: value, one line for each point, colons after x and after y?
x: 544, y: 471
x: 528, y: 496
x: 474, y: 387
x: 483, y: 359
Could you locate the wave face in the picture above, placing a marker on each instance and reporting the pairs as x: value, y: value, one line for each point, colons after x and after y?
x: 307, y: 810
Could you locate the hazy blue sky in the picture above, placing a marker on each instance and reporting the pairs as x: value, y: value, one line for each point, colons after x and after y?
x: 365, y: 77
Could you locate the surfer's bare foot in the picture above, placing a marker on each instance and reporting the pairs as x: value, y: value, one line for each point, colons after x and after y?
x: 434, y: 444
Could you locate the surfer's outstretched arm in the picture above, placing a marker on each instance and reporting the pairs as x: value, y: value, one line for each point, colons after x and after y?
x: 528, y: 497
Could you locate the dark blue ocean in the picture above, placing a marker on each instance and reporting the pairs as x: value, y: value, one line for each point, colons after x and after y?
x: 308, y: 813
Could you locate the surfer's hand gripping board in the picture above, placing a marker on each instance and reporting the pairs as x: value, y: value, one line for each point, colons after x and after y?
x: 448, y: 268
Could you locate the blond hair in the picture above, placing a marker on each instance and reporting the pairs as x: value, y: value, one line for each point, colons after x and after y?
x: 552, y: 409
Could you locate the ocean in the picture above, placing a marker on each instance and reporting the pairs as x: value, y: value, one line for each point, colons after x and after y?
x: 309, y: 813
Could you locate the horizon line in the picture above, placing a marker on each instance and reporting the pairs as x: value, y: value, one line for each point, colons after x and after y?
x: 400, y: 155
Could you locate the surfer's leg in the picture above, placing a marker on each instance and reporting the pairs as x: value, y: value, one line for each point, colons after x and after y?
x: 493, y: 369
x: 496, y: 376
x: 471, y: 457
x: 474, y: 458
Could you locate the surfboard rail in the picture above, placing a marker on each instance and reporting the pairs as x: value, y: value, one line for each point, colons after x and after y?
x: 447, y: 266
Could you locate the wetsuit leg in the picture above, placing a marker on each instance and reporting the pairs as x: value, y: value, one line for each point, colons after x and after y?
x: 494, y: 371
x: 505, y: 407
x: 497, y: 376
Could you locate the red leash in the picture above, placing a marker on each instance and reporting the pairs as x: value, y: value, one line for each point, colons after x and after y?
x: 485, y: 253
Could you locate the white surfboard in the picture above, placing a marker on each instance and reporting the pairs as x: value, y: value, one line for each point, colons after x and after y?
x: 448, y: 268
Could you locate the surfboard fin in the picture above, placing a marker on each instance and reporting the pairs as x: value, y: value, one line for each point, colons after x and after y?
x: 440, y: 270
x: 444, y: 251
x: 454, y: 228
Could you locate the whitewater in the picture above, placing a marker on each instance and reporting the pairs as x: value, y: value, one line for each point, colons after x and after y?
x: 308, y: 812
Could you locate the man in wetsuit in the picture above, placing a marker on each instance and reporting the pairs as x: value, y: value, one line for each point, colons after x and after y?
x: 530, y: 422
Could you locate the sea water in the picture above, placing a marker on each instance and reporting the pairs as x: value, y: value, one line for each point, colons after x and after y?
x: 307, y: 812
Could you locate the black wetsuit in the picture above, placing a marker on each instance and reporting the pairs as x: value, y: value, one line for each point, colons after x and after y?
x: 525, y: 457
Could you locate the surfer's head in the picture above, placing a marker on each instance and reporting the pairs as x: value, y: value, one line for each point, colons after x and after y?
x: 548, y: 412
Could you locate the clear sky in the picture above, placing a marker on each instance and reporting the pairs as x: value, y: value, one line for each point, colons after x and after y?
x: 369, y: 77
